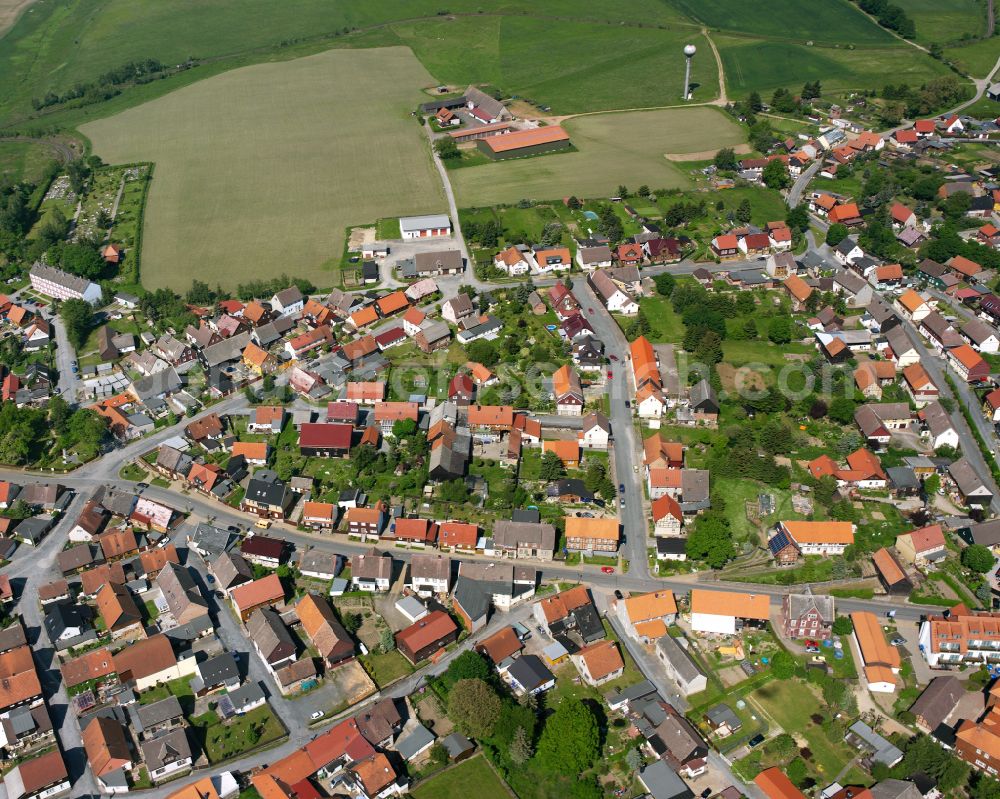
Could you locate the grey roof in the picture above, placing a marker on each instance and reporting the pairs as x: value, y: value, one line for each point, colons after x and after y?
x: 461, y: 304
x: 219, y: 669
x: 895, y: 789
x: 413, y: 742
x: 371, y: 565
x: 157, y: 385
x: 662, y: 781
x: 846, y: 245
x: 289, y: 296
x: 529, y: 672
x: 986, y: 533
x: 632, y: 692
x: 246, y: 694
x: 978, y: 331
x: 884, y: 751
x: 694, y: 485
x: 456, y: 744
x: 511, y: 534
x: 903, y: 477
x: 229, y: 349
x: 897, y: 339
x: 269, y: 633
x: 230, y: 569
x: 937, y: 419
x: 179, y: 590
x: 723, y: 714
x: 166, y: 749
x: 60, y: 278
x: 938, y: 700
x: 678, y: 658
x: 437, y: 261
x: 430, y: 566
x: 595, y: 255
x: 850, y: 282
x: 966, y: 478
x: 701, y: 393
x: 879, y: 310
x: 157, y: 713
x: 800, y: 604
x: 410, y: 223
x: 211, y: 540
x: 490, y: 105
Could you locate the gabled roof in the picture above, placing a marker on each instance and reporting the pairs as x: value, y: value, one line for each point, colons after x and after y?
x: 730, y: 603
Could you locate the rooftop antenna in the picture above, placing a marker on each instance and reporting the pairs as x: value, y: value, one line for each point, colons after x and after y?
x: 689, y: 51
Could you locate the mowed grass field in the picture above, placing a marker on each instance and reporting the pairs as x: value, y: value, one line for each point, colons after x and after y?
x: 764, y: 66
x: 835, y: 21
x: 259, y: 170
x: 23, y: 160
x: 944, y: 21
x: 456, y: 782
x: 977, y: 58
x: 612, y: 149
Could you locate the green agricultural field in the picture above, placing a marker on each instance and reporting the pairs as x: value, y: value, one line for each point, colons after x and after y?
x: 612, y: 149
x: 977, y: 58
x: 838, y: 21
x: 259, y: 171
x: 946, y: 21
x: 764, y: 66
x: 60, y: 44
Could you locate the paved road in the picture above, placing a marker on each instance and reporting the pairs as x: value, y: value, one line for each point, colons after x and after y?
x: 65, y: 357
x: 626, y: 447
x: 802, y: 183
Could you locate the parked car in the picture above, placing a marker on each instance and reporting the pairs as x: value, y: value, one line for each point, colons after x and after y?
x: 757, y: 740
x: 608, y: 569
x: 316, y: 714
x: 610, y: 374
x: 613, y: 357
x: 618, y: 594
x: 142, y: 486
x: 897, y: 640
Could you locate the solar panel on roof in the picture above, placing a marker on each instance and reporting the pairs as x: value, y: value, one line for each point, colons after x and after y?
x: 779, y: 542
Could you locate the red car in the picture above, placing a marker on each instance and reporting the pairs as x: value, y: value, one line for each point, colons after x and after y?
x: 610, y: 375
x: 613, y: 357
x: 608, y: 569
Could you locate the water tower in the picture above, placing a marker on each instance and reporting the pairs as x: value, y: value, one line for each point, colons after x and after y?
x: 689, y: 51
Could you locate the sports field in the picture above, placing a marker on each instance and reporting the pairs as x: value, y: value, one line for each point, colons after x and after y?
x: 611, y: 149
x: 259, y: 170
x: 835, y: 21
x: 764, y: 66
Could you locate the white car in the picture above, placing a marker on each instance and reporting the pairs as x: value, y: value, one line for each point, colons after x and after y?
x: 316, y: 714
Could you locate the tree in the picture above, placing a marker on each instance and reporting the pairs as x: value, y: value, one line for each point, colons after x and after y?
x: 573, y: 203
x: 776, y: 175
x: 521, y: 749
x: 633, y: 759
x: 403, y: 428
x: 665, y: 284
x: 639, y: 326
x: 643, y: 190
x: 726, y: 159
x: 470, y: 665
x: 709, y: 349
x: 779, y: 330
x: 782, y: 747
x: 978, y: 558
x: 446, y: 149
x: 797, y: 218
x: 80, y: 259
x: 711, y: 540
x: 454, y: 491
x: 77, y: 316
x: 552, y: 467
x: 932, y: 484
x: 474, y: 707
x: 352, y: 622
x: 438, y: 755
x: 835, y: 234
x: 386, y: 640
x: 797, y: 771
x: 484, y: 352
x: 744, y: 212
x: 570, y: 741
x: 841, y: 410
x: 754, y: 103
x: 749, y: 327
x: 623, y: 192
x: 782, y: 665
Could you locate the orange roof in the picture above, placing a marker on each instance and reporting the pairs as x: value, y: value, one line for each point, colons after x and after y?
x: 798, y: 288
x: 396, y: 411
x: 254, y: 355
x: 865, y: 462
x: 654, y: 605
x: 887, y: 565
x: 845, y: 211
x: 967, y: 356
x: 776, y: 785
x: 823, y: 466
x: 726, y: 241
x: 511, y: 256
x: 917, y: 376
x: 820, y: 532
x: 142, y: 659
x: 416, y: 530
x: 525, y: 138
x: 651, y: 629
x: 480, y: 373
x: 874, y: 648
x: 491, y: 415
x: 565, y: 381
x: 251, y: 450
x: 414, y: 316
x: 825, y: 201
x: 962, y: 264
x: 662, y: 477
x: 562, y: 253
x: 458, y: 534
x: 900, y: 213
x: 366, y: 316
x: 392, y: 303
x: 559, y: 606
x: 319, y: 510
x: 501, y: 645
x: 889, y: 272
x: 375, y: 773
x: 268, y: 414
x: 568, y: 451
x: 644, y: 366
x: 602, y: 658
x: 926, y: 538
x: 202, y: 789
x: 667, y: 506
x: 981, y: 737
x: 728, y: 603
x: 365, y: 391
x: 259, y: 592
x: 911, y: 301
x: 594, y: 529
x: 655, y: 449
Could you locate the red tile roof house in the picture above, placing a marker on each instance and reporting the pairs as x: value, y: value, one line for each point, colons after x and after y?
x: 458, y: 536
x: 318, y: 440
x: 968, y: 363
x: 726, y: 246
x: 258, y: 594
x: 629, y: 254
x: 425, y: 637
x: 415, y: 532
x: 755, y: 243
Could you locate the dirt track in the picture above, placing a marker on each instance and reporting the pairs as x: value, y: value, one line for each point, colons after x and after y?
x: 10, y: 10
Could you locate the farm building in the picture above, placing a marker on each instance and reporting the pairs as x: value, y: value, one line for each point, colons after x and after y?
x: 524, y: 143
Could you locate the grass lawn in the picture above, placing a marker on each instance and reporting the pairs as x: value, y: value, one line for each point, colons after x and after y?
x: 224, y: 741
x: 23, y: 160
x: 667, y: 326
x: 385, y: 668
x: 456, y: 782
x: 945, y: 21
x: 612, y: 149
x: 215, y: 185
x: 740, y: 353
x: 977, y: 58
x: 791, y: 703
x: 132, y: 472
